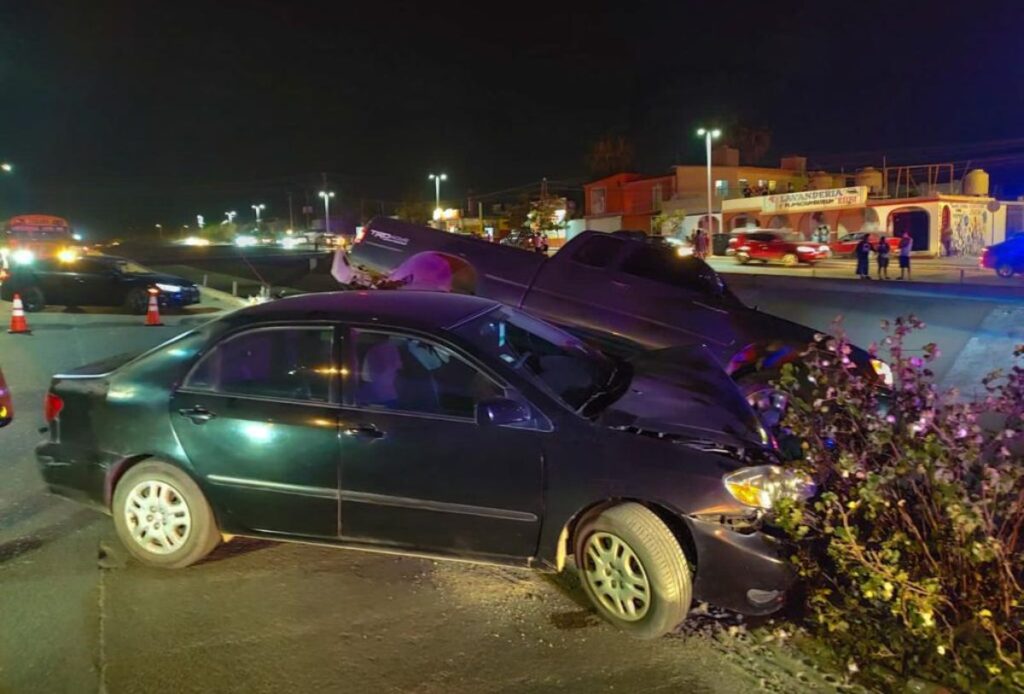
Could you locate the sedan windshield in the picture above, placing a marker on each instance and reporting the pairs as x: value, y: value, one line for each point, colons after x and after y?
x: 559, y: 363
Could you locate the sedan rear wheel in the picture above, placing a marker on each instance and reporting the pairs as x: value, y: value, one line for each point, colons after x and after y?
x: 790, y: 260
x: 1004, y: 270
x: 162, y: 517
x: 32, y: 299
x: 634, y: 571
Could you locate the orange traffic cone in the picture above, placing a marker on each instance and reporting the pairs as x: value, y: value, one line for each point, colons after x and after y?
x: 153, y: 312
x: 19, y: 326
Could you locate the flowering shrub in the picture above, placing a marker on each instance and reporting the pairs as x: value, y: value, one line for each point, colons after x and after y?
x: 913, y: 552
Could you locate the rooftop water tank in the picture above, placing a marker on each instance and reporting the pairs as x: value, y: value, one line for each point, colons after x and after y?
x: 871, y: 177
x: 820, y: 180
x: 976, y: 182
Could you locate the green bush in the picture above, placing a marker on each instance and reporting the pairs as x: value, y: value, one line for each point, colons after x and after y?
x: 912, y: 553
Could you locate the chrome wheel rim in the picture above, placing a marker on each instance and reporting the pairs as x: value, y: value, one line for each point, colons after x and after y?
x: 770, y: 405
x: 616, y: 577
x: 157, y: 517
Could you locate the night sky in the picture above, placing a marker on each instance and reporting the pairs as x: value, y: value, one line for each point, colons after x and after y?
x: 131, y: 113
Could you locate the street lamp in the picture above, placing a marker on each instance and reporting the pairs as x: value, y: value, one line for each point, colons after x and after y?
x: 708, y: 136
x: 258, y: 208
x: 230, y: 216
x: 159, y: 231
x: 327, y: 195
x: 7, y: 167
x: 437, y: 178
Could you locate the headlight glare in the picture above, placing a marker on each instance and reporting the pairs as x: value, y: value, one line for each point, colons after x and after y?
x: 762, y: 486
x: 882, y: 370
x: 168, y: 287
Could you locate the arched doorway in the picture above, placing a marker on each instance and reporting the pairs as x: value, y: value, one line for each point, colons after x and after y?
x: 744, y: 221
x: 779, y: 221
x: 703, y: 224
x: 813, y: 225
x: 912, y: 220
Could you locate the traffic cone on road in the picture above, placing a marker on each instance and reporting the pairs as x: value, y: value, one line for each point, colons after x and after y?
x: 153, y: 312
x: 19, y: 326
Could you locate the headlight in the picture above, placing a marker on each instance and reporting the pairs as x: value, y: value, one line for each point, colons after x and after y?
x: 805, y: 249
x: 245, y: 241
x: 684, y: 251
x: 763, y: 485
x: 23, y: 256
x: 67, y: 255
x: 172, y: 288
x: 883, y: 371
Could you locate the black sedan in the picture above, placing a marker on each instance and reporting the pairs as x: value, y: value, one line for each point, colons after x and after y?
x: 1006, y: 258
x: 435, y: 425
x: 91, y: 280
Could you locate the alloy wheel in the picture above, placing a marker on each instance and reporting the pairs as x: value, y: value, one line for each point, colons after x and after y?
x: 616, y: 577
x: 1005, y: 270
x: 157, y: 517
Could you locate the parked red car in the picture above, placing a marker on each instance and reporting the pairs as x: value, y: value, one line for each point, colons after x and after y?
x: 847, y: 244
x: 786, y: 247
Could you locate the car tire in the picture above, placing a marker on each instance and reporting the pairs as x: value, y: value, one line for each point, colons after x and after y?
x: 137, y: 301
x: 162, y: 517
x: 1004, y: 270
x: 630, y: 542
x: 33, y: 299
x: 743, y: 259
x: 790, y: 260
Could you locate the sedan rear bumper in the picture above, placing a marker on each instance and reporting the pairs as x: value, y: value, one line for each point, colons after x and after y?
x: 746, y: 573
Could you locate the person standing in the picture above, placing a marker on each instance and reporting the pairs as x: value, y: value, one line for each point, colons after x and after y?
x: 701, y: 244
x: 863, y: 253
x: 906, y: 246
x: 883, y: 258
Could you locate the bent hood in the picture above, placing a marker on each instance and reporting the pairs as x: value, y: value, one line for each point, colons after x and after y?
x: 683, y: 391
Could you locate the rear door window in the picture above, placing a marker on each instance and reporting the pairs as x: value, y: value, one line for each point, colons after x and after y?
x: 291, y: 363
x: 598, y: 251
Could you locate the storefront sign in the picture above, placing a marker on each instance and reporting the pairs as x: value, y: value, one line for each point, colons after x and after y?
x: 807, y: 200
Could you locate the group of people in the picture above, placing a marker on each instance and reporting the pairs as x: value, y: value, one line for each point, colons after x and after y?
x: 882, y: 252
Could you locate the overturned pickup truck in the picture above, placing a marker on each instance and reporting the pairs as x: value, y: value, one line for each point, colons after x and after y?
x: 624, y: 293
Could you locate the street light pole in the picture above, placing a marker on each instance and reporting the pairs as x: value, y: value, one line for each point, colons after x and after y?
x: 327, y: 195
x: 230, y: 216
x: 709, y: 135
x: 437, y: 178
x: 258, y: 208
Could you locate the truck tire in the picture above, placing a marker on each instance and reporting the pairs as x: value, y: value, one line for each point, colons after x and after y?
x: 33, y: 299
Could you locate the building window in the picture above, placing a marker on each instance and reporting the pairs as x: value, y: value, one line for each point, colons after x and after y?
x: 597, y: 201
x: 656, y: 198
x: 721, y: 188
x: 771, y: 186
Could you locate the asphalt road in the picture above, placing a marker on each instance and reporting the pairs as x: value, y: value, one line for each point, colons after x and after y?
x: 75, y: 616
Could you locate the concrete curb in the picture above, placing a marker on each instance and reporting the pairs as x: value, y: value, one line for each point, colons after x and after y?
x: 810, y: 285
x: 222, y: 296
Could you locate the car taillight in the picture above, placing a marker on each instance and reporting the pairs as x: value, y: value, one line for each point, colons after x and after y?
x: 52, y: 407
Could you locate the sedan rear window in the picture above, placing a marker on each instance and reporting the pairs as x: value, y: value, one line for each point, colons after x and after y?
x: 285, y: 363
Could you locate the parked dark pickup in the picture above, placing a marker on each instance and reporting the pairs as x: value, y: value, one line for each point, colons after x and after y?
x: 644, y: 295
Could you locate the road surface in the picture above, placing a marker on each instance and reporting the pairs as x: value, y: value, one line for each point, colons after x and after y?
x: 75, y: 616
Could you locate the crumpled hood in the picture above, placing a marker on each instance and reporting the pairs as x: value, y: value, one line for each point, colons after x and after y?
x: 683, y: 391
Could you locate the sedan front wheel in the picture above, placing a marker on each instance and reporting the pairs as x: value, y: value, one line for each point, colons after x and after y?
x: 162, y: 517
x: 634, y: 571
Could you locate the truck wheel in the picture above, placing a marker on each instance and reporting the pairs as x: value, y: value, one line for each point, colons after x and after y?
x: 634, y: 571
x: 1004, y: 270
x: 33, y: 299
x: 162, y: 517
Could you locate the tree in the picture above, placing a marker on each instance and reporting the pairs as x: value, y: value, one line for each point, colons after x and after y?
x: 669, y: 222
x: 543, y: 216
x: 415, y: 208
x: 609, y: 155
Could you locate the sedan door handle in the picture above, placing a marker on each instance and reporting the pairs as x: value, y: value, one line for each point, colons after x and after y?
x: 364, y: 432
x: 198, y: 414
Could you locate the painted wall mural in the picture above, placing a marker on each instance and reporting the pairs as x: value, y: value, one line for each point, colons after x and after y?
x: 968, y: 225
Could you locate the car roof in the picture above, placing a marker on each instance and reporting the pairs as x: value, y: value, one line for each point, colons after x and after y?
x: 397, y: 307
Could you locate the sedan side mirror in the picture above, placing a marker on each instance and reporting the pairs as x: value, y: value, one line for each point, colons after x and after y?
x: 502, y: 412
